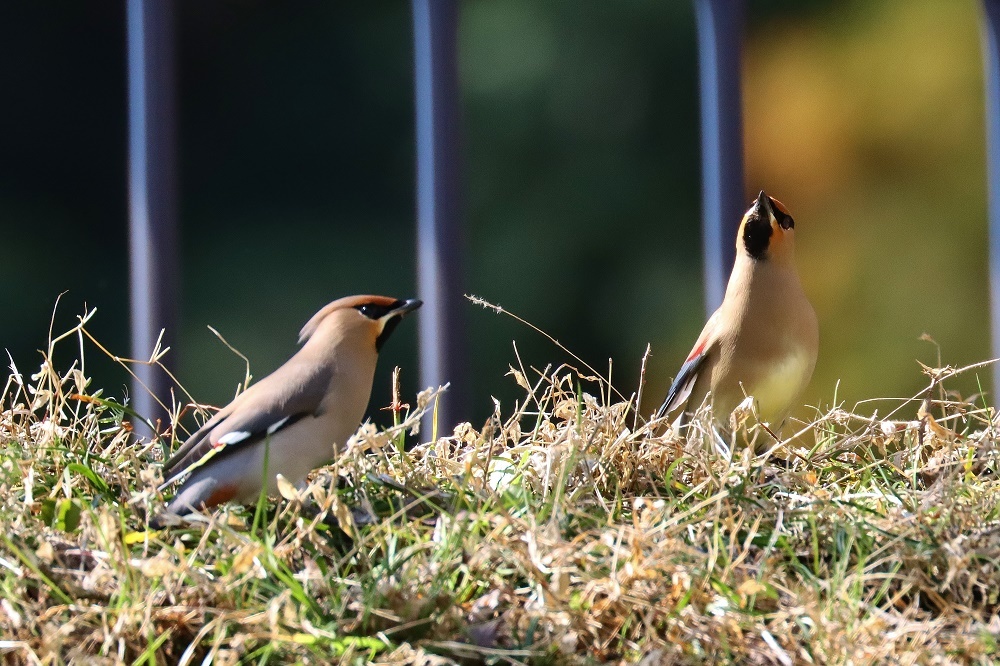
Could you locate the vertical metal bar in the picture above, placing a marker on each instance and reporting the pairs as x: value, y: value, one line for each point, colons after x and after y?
x: 439, y: 224
x: 152, y: 220
x: 992, y: 67
x: 720, y: 38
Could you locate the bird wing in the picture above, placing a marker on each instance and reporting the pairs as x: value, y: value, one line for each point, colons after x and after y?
x: 261, y: 411
x: 683, y: 384
x: 199, y: 436
x: 680, y: 389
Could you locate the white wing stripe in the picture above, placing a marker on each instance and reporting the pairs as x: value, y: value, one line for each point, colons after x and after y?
x: 233, y: 437
x: 274, y: 427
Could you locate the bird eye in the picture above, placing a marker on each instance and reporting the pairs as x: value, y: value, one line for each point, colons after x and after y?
x: 371, y: 310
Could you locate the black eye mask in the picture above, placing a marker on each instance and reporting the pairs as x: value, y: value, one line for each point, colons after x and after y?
x: 374, y: 311
x: 784, y: 220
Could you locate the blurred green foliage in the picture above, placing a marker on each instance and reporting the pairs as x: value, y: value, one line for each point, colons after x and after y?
x: 582, y: 174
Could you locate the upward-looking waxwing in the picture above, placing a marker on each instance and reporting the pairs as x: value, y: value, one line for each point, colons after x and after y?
x: 297, y: 415
x: 763, y: 339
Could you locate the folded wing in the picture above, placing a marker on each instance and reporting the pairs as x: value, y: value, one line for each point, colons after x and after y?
x: 262, y: 410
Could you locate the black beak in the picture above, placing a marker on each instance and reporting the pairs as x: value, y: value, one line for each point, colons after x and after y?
x: 764, y: 206
x: 408, y: 306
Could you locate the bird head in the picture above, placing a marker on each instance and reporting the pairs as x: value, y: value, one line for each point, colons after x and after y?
x: 375, y: 317
x: 767, y: 232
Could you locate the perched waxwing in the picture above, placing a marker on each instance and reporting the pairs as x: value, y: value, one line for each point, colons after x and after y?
x: 296, y: 416
x: 763, y: 339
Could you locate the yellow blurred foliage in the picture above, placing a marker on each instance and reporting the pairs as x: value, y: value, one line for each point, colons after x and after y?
x: 868, y: 122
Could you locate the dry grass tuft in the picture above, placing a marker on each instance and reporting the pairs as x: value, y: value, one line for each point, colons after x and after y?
x: 562, y: 531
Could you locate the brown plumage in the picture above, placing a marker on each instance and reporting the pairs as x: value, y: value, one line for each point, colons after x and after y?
x: 764, y: 338
x: 296, y: 416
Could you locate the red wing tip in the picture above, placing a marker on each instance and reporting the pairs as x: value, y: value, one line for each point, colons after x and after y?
x: 696, y: 352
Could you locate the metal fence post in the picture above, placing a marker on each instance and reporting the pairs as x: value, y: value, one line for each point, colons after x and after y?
x: 439, y: 219
x: 720, y: 40
x: 152, y: 220
x: 992, y: 69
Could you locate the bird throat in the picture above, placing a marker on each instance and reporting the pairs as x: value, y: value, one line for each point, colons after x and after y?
x: 757, y: 236
x: 387, y: 330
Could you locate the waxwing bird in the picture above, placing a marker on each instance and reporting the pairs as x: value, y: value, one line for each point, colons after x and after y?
x: 763, y: 339
x: 293, y: 418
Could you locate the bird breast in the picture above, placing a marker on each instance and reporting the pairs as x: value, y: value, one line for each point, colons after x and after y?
x: 772, y: 342
x: 779, y: 383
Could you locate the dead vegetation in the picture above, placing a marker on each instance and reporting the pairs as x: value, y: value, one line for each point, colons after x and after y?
x: 562, y: 531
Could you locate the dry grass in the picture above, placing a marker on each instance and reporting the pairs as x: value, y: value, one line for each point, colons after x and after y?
x: 562, y: 531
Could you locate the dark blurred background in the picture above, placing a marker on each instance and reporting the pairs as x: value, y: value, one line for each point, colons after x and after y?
x: 296, y: 166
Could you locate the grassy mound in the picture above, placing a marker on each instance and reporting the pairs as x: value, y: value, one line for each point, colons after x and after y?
x: 565, y: 531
